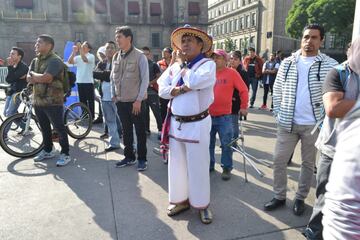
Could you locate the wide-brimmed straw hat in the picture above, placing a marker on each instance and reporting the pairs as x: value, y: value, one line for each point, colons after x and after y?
x: 178, y: 33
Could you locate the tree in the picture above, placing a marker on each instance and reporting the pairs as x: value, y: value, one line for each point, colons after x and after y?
x: 229, y: 45
x: 337, y: 16
x: 297, y: 18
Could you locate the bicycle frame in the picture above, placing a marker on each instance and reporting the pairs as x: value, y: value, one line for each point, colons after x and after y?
x: 26, y: 98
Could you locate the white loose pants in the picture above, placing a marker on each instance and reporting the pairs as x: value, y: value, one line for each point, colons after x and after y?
x: 189, y: 163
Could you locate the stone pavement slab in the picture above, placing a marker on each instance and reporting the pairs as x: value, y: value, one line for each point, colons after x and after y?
x: 91, y: 199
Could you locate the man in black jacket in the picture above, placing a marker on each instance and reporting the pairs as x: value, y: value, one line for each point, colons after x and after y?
x: 112, y: 121
x: 16, y: 77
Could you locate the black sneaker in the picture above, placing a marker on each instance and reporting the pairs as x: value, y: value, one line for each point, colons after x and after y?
x: 142, y: 165
x: 104, y: 136
x: 98, y: 120
x: 125, y: 162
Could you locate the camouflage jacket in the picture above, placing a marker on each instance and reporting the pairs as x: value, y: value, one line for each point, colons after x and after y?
x: 47, y: 94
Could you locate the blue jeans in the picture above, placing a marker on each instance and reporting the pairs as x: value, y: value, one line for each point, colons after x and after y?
x: 11, y: 106
x: 254, y: 82
x: 235, y: 125
x: 223, y: 126
x: 112, y: 121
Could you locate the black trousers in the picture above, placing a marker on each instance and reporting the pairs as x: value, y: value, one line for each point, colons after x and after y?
x: 128, y: 120
x: 163, y: 107
x: 87, y: 96
x: 267, y: 88
x: 52, y: 115
x: 153, y: 102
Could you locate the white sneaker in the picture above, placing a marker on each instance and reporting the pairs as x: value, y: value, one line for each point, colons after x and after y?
x: 63, y: 160
x: 44, y: 155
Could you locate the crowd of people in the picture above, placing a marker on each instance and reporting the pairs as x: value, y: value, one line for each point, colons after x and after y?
x: 195, y: 93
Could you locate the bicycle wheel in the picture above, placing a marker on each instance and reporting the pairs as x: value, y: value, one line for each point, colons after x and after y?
x: 78, y: 120
x: 18, y: 140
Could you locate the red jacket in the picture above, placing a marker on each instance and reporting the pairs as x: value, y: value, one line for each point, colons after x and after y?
x: 258, y: 65
x: 227, y: 80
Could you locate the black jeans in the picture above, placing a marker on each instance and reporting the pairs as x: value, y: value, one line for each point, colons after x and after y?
x: 254, y: 82
x: 163, y: 107
x: 128, y: 120
x: 153, y: 102
x: 55, y: 116
x: 87, y: 96
x: 267, y: 88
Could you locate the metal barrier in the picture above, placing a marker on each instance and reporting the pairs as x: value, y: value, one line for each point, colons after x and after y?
x: 3, y: 74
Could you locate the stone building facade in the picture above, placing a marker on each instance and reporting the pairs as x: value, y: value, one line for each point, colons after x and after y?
x: 152, y: 21
x: 256, y: 23
x: 260, y: 24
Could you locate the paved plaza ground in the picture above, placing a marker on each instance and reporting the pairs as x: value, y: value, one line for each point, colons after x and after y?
x: 90, y: 199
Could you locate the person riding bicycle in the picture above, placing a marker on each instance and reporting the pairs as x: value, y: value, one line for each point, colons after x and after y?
x: 46, y: 75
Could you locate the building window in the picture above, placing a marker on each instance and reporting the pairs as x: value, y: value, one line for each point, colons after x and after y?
x: 247, y: 21
x: 246, y: 45
x: 331, y: 41
x: 155, y: 40
x: 241, y: 23
x: 101, y: 38
x: 78, y: 5
x: 226, y: 27
x: 243, y: 2
x: 79, y: 36
x: 194, y: 9
x: 28, y: 4
x: 133, y: 8
x: 155, y: 9
x: 252, y: 42
x: 253, y: 19
x: 100, y: 6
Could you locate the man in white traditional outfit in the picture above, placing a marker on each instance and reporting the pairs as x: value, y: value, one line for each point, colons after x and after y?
x: 189, y: 84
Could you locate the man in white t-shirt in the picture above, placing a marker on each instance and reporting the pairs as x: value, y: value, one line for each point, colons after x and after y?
x: 85, y: 63
x: 298, y: 107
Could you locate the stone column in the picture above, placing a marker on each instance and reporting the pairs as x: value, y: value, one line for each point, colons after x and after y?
x: 356, y: 29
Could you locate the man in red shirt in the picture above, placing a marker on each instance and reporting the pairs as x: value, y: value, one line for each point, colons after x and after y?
x: 227, y: 80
